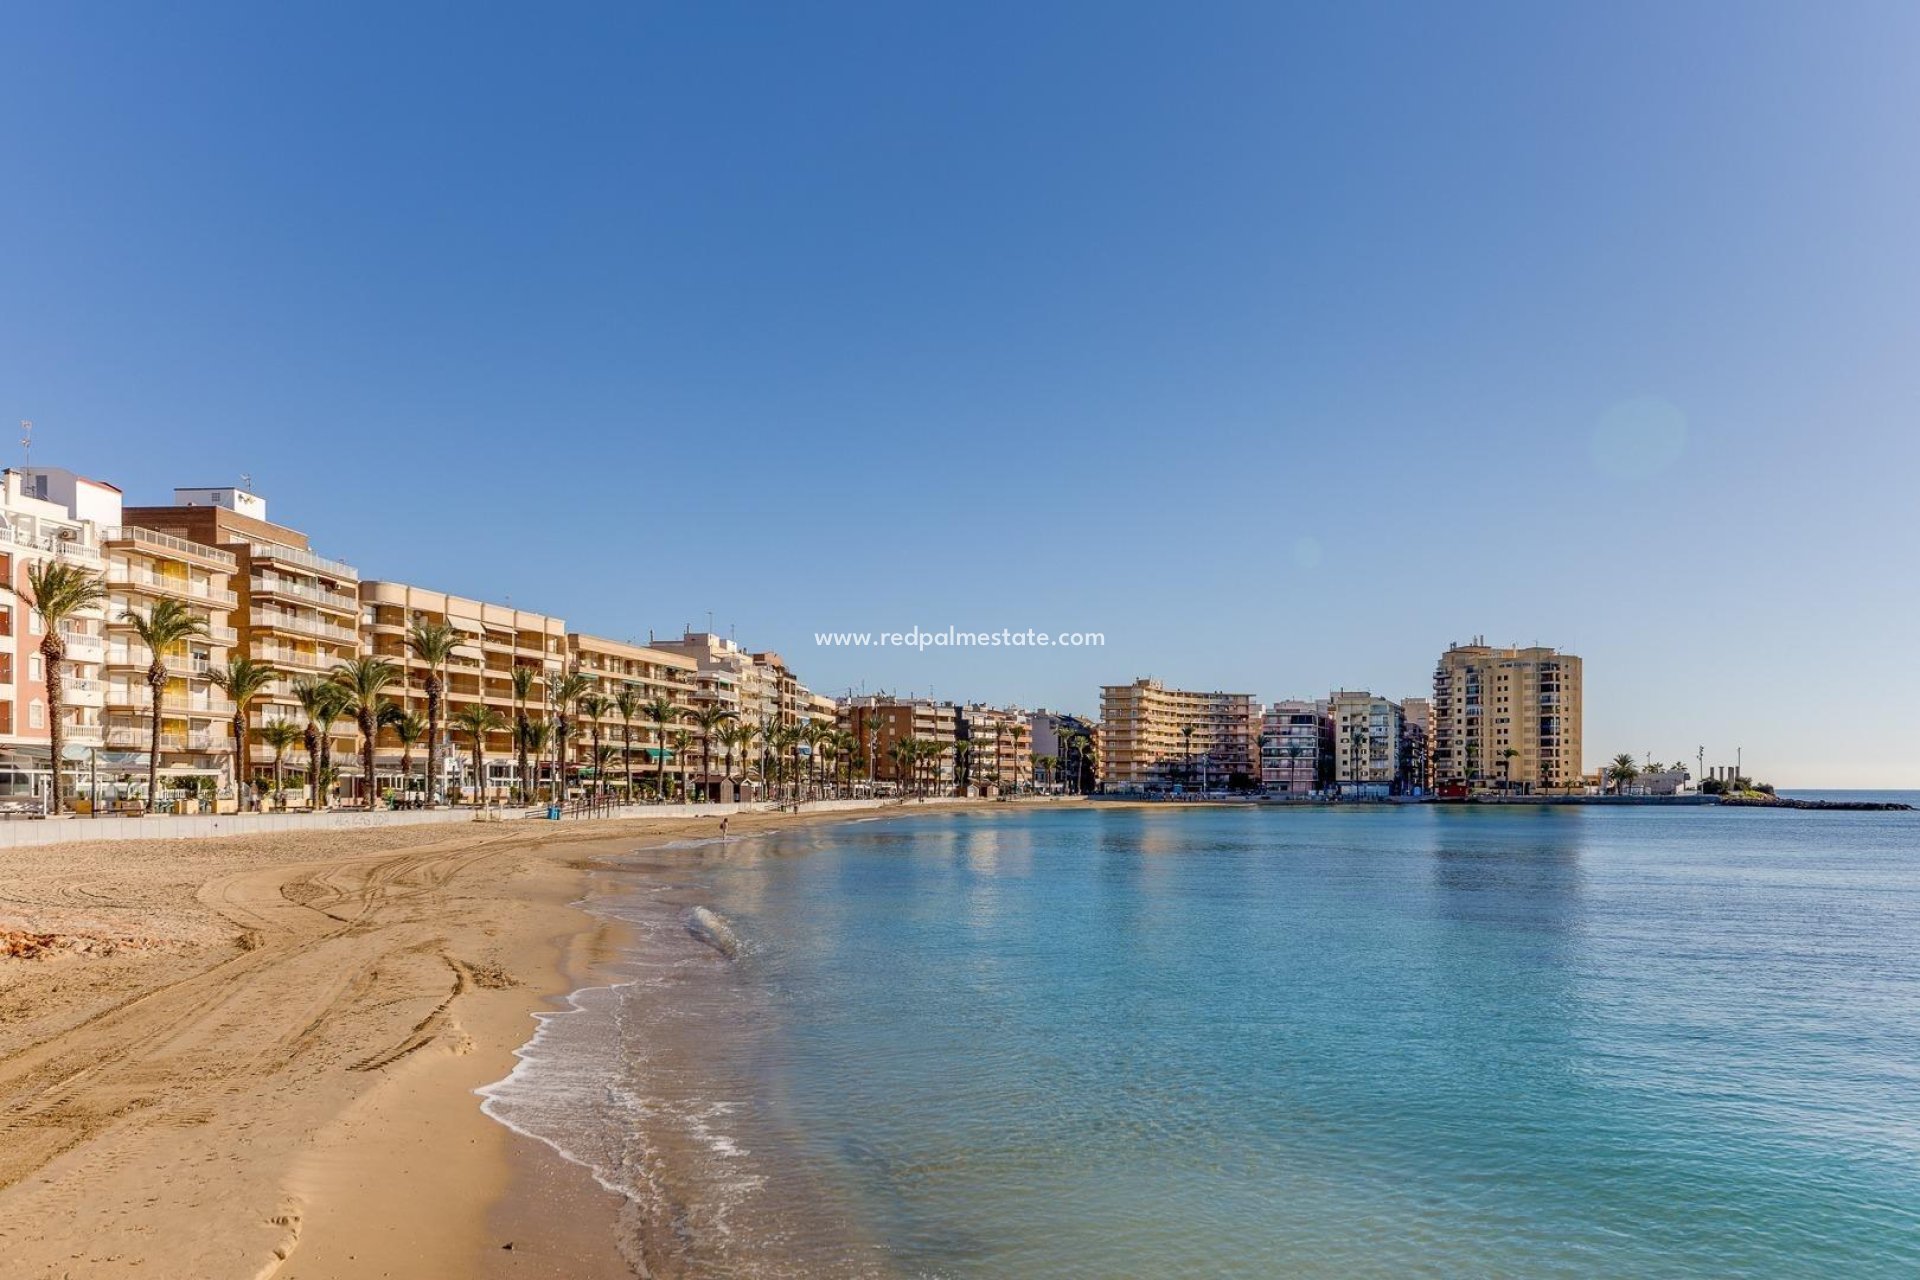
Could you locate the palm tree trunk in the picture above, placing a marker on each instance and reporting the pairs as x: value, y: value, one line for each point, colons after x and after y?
x: 277, y: 753
x: 56, y: 704
x: 661, y: 773
x: 239, y: 756
x: 368, y: 731
x: 313, y: 768
x: 156, y: 681
x: 626, y: 747
x: 433, y: 740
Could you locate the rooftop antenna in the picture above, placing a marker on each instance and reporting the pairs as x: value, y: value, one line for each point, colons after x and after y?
x: 246, y: 481
x: 26, y: 443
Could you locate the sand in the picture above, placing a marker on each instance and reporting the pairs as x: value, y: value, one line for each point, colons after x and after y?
x: 256, y: 1056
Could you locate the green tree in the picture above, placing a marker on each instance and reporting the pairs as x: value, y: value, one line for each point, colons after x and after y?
x: 165, y: 626
x: 478, y: 719
x: 567, y: 691
x: 432, y: 644
x: 661, y: 711
x: 409, y: 728
x: 1622, y: 772
x: 279, y: 735
x: 523, y: 677
x: 242, y: 680
x: 626, y: 701
x: 592, y: 705
x: 709, y: 720
x: 364, y: 682
x: 58, y: 592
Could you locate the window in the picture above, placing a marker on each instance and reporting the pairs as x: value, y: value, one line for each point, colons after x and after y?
x: 33, y: 667
x: 33, y: 623
x: 37, y: 714
x: 6, y: 717
x: 6, y: 620
x: 6, y: 668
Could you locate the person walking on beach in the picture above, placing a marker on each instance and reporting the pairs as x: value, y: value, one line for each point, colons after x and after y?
x: 723, y: 828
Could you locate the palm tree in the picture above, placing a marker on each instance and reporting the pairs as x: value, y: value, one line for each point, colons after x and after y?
x: 963, y: 763
x: 409, y: 727
x: 279, y: 734
x: 242, y: 680
x: 312, y: 695
x: 535, y: 737
x: 1622, y: 771
x: 682, y: 740
x: 433, y: 643
x: 662, y: 712
x: 593, y: 705
x: 1506, y: 765
x: 364, y: 681
x: 479, y: 719
x: 566, y: 691
x: 59, y: 591
x: 523, y: 678
x: 709, y: 720
x: 166, y: 625
x: 626, y: 701
x: 603, y: 758
x: 734, y: 737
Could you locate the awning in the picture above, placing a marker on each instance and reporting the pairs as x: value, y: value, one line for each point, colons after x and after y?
x: 39, y: 754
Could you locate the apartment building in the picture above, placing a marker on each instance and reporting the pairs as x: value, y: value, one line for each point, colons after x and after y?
x: 1153, y: 737
x: 1506, y: 719
x: 494, y: 639
x: 1296, y: 747
x: 143, y: 567
x: 1416, y: 754
x: 759, y: 688
x: 296, y: 610
x: 1369, y: 742
x: 879, y: 721
x: 1054, y: 734
x: 651, y: 674
x: 48, y: 515
x: 999, y: 746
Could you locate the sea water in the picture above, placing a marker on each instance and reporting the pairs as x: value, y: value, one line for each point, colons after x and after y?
x: 1346, y: 1042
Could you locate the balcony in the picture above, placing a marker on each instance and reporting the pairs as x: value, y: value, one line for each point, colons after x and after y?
x: 273, y: 585
x: 275, y: 620
x: 82, y: 647
x: 170, y: 547
x: 183, y: 588
x: 295, y: 659
x: 84, y: 693
x: 305, y: 559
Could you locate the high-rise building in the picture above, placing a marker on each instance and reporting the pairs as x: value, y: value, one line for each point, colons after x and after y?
x: 1068, y: 741
x: 999, y: 746
x: 1506, y: 719
x: 48, y: 515
x: 295, y: 610
x: 1153, y: 737
x: 879, y: 722
x: 494, y: 639
x: 1416, y: 745
x: 1369, y: 735
x: 143, y: 567
x: 651, y: 675
x: 1296, y: 747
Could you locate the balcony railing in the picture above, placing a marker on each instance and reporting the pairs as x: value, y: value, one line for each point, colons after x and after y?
x: 121, y: 575
x: 272, y: 584
x: 167, y: 542
x: 305, y: 559
x: 274, y: 618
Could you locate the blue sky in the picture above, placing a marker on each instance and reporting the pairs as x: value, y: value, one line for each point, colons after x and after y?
x: 1281, y: 345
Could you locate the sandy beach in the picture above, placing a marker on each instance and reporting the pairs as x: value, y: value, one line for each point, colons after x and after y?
x: 256, y: 1056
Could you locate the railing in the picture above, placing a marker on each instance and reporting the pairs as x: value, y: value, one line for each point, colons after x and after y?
x: 305, y: 559
x: 295, y: 658
x: 274, y: 585
x: 167, y: 542
x: 305, y: 626
x: 121, y: 575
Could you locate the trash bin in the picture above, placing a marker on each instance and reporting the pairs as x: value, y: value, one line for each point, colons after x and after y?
x: 553, y: 813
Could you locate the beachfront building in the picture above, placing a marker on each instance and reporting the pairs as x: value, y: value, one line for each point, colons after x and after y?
x: 1296, y: 747
x: 1068, y: 741
x: 999, y: 753
x: 756, y: 687
x: 48, y: 515
x: 1506, y: 719
x: 143, y: 567
x: 878, y: 722
x: 649, y: 675
x: 494, y: 639
x: 1416, y: 745
x: 296, y: 610
x: 1369, y: 742
x: 1153, y: 737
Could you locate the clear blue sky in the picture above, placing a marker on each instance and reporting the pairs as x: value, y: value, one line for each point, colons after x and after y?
x: 1280, y: 345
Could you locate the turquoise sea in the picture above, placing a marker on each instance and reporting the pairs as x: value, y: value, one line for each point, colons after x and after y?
x: 1348, y: 1042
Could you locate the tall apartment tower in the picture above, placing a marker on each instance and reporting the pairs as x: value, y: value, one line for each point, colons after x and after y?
x: 1369, y: 741
x: 1506, y: 720
x: 294, y: 610
x: 1152, y: 736
x: 1296, y: 747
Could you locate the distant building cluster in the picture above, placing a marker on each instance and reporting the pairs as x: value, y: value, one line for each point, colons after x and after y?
x: 1499, y: 720
x: 527, y: 707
